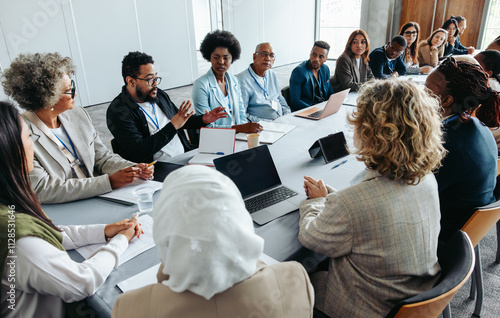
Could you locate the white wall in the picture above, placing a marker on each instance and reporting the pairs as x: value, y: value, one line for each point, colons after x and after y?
x: 96, y: 34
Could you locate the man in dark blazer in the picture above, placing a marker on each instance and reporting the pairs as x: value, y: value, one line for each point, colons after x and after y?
x: 144, y: 122
x: 310, y: 80
x: 387, y: 61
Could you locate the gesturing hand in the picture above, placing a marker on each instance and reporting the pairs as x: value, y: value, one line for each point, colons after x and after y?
x: 182, y: 115
x: 214, y: 114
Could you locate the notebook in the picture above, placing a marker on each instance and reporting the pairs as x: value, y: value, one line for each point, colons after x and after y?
x: 214, y: 143
x: 254, y: 173
x: 271, y: 132
x: 331, y: 107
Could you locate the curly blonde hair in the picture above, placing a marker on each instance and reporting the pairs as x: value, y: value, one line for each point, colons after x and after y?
x: 398, y: 130
x: 35, y: 80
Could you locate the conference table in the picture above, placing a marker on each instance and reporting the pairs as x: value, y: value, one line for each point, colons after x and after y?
x: 293, y: 162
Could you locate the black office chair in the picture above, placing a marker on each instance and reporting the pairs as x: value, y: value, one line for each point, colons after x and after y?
x: 457, y: 260
x: 115, y: 146
x: 285, y: 92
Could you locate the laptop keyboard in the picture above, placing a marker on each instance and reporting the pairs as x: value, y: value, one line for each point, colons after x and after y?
x: 315, y: 114
x: 269, y: 198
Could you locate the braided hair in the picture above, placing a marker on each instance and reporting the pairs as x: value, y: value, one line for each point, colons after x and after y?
x: 468, y: 85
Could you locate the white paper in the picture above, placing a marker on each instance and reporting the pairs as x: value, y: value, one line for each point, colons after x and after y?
x: 271, y: 133
x: 136, y: 245
x: 126, y: 193
x: 148, y: 276
x: 214, y: 143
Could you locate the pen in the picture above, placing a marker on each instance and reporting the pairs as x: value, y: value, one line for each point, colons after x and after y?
x: 338, y: 164
x: 152, y: 163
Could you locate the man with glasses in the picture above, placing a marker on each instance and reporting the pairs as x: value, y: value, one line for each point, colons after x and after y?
x: 387, y: 61
x: 260, y: 89
x: 310, y: 80
x: 145, y: 123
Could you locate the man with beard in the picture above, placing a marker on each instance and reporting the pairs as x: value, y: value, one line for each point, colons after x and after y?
x: 310, y: 80
x: 144, y: 122
x: 387, y: 61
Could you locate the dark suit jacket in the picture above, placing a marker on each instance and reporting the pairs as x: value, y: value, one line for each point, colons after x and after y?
x: 382, y: 67
x: 302, y: 87
x: 348, y: 75
x: 128, y: 124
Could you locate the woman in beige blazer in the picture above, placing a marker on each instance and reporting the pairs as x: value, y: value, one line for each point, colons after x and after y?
x: 381, y: 234
x: 432, y: 49
x: 71, y: 162
x: 351, y: 68
x: 210, y: 258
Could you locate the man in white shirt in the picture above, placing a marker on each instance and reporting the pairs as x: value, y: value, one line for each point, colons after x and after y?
x: 145, y: 124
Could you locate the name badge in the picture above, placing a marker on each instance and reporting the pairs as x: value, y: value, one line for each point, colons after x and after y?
x: 274, y: 105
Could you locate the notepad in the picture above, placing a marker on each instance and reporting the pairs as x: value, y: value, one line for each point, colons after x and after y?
x: 271, y: 132
x: 125, y: 195
x: 135, y: 247
x: 214, y: 143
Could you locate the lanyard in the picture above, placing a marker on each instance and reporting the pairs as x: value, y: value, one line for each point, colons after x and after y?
x: 450, y: 119
x: 155, y: 122
x: 267, y: 83
x: 71, y: 144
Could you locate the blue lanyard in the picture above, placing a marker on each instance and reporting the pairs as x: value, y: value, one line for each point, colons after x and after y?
x: 267, y: 83
x: 228, y: 97
x: 450, y: 119
x: 71, y: 144
x: 155, y: 122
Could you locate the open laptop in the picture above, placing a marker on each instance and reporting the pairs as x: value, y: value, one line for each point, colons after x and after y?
x: 254, y: 173
x: 331, y: 107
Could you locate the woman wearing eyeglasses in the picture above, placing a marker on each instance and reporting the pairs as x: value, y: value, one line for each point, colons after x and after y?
x: 217, y: 88
x: 71, y: 163
x: 351, y: 69
x: 411, y: 32
x: 432, y: 49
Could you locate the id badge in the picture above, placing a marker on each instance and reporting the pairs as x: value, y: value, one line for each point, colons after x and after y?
x: 274, y: 105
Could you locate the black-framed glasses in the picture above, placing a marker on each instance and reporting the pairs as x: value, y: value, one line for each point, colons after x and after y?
x: 151, y: 81
x: 73, y: 90
x: 265, y: 54
x: 411, y: 32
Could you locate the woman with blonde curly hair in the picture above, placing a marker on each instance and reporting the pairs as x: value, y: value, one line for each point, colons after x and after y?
x: 71, y: 162
x: 382, y: 232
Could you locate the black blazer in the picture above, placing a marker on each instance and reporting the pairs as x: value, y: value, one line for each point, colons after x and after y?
x: 128, y: 125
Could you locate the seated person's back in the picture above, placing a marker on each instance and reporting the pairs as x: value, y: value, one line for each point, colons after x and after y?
x: 209, y: 253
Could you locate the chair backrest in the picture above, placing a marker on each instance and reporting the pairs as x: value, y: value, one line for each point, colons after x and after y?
x: 456, y: 259
x: 285, y: 92
x: 115, y: 146
x: 481, y: 222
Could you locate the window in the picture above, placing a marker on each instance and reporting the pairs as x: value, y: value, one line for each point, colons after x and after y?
x: 337, y: 20
x: 493, y: 23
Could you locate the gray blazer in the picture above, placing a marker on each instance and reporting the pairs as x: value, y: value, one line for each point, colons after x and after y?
x: 347, y: 75
x: 52, y: 177
x: 381, y: 237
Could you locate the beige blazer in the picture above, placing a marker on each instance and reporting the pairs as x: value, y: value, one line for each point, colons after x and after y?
x: 424, y: 55
x: 279, y: 291
x: 381, y: 237
x: 348, y: 75
x: 52, y: 176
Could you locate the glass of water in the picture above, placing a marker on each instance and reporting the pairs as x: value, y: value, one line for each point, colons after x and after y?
x: 144, y: 197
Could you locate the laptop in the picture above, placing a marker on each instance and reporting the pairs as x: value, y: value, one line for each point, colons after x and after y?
x: 254, y: 173
x: 331, y: 107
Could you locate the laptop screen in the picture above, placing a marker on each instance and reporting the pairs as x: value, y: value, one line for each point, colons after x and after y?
x: 252, y: 170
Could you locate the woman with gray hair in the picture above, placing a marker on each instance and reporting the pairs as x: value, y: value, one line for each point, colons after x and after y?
x: 71, y: 162
x: 210, y: 258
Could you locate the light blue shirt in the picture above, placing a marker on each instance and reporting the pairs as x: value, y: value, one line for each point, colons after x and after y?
x: 258, y: 94
x: 207, y: 95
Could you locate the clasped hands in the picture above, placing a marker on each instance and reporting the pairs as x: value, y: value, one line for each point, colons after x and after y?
x: 129, y: 228
x: 131, y: 174
x: 315, y: 188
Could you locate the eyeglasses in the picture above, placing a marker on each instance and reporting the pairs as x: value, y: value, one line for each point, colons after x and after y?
x: 265, y: 54
x: 411, y: 32
x: 151, y: 81
x: 73, y: 90
x: 397, y: 51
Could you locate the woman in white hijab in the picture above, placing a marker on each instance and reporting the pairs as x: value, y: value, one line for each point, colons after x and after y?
x: 210, y: 258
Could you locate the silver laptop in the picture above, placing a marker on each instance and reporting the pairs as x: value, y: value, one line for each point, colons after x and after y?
x: 331, y: 107
x: 254, y: 173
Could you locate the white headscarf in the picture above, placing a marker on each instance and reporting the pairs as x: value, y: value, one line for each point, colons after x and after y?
x: 205, y: 235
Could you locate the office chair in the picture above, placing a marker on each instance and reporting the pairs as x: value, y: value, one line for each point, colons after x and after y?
x: 477, y: 227
x: 457, y: 260
x: 285, y: 92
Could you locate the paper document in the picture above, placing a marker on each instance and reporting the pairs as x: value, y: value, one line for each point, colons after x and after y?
x: 351, y: 99
x: 135, y: 247
x: 271, y: 133
x: 214, y: 143
x: 148, y: 276
x: 125, y: 194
